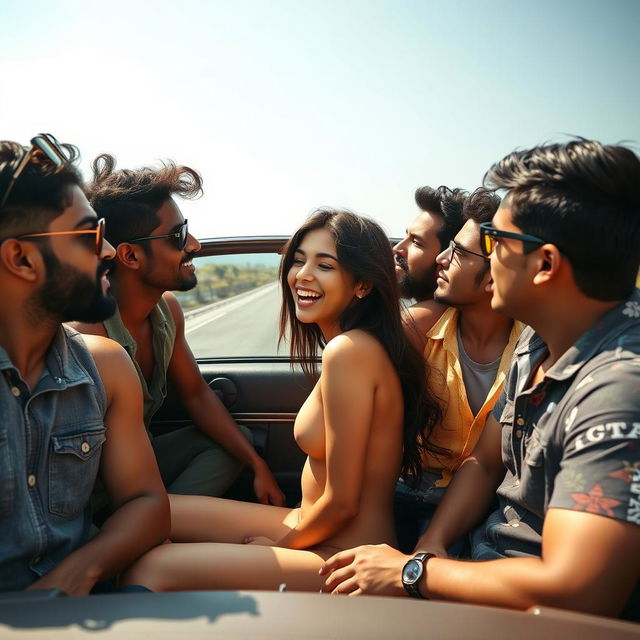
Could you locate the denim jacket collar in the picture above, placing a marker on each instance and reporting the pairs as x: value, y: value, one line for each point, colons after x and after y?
x: 62, y: 369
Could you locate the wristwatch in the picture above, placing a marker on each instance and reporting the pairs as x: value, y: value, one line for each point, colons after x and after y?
x: 412, y: 572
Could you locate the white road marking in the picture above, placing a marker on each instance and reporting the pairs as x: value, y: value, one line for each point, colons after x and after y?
x: 199, y: 321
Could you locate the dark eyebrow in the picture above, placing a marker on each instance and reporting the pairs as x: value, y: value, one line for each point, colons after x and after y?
x: 318, y: 255
x: 92, y: 220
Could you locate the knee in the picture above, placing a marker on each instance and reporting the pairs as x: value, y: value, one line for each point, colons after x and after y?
x: 145, y: 572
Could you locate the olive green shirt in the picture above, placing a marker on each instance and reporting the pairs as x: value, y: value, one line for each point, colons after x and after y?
x: 163, y: 330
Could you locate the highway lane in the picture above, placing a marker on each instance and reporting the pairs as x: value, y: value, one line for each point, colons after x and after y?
x: 245, y: 325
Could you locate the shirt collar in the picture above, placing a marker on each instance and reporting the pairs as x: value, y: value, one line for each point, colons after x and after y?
x: 61, y: 365
x: 613, y: 323
x: 444, y: 327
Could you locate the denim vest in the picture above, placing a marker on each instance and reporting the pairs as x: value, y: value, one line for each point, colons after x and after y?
x: 50, y: 445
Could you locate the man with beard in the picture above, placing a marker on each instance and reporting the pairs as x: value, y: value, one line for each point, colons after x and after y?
x: 70, y: 406
x: 560, y: 454
x: 154, y: 253
x: 428, y: 234
x: 468, y: 348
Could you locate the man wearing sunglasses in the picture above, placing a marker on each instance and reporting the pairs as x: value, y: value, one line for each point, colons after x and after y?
x: 429, y: 233
x: 468, y: 348
x: 70, y: 407
x: 154, y: 253
x: 564, y: 259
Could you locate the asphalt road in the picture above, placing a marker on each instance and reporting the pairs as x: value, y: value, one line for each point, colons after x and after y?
x: 245, y: 325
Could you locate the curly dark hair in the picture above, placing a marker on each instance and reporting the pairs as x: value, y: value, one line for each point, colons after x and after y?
x: 129, y: 200
x: 583, y: 197
x: 364, y: 250
x: 447, y: 203
x: 481, y: 205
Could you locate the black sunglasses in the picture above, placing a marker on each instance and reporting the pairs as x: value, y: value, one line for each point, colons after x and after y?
x: 454, y: 248
x: 98, y: 232
x: 180, y: 236
x: 489, y: 238
x: 46, y: 150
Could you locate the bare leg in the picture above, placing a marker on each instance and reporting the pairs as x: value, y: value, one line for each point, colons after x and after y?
x: 209, y: 566
x: 204, y: 519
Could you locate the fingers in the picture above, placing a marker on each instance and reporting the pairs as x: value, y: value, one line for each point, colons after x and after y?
x: 338, y: 560
x: 347, y: 588
x: 340, y: 580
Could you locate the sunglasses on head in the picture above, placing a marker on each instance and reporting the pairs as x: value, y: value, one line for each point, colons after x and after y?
x: 45, y: 150
x: 98, y: 232
x: 180, y: 236
x: 489, y: 239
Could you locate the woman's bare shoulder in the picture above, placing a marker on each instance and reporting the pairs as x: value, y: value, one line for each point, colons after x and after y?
x: 353, y: 345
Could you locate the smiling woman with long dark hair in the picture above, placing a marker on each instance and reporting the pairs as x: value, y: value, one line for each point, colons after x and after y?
x: 364, y: 423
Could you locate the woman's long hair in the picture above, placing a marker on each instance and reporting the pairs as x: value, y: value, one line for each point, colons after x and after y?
x: 365, y: 252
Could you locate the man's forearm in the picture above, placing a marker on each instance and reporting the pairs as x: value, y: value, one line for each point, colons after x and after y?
x: 136, y: 527
x: 463, y: 505
x: 212, y: 418
x: 516, y: 583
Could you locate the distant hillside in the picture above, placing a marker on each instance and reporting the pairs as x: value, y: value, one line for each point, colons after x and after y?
x: 218, y: 280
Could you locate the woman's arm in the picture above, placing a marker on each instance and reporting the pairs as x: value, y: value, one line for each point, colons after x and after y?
x: 347, y: 386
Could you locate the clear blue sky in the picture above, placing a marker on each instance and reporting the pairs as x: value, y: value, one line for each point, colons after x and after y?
x: 286, y: 105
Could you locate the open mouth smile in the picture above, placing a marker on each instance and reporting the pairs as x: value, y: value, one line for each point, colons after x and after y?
x: 307, y: 297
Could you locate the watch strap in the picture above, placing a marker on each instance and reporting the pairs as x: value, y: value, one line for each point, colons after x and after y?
x: 412, y: 588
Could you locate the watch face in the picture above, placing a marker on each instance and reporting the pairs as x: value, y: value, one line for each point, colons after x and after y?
x: 411, y: 572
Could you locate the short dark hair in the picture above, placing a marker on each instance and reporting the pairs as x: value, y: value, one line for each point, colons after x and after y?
x: 39, y: 195
x: 364, y: 250
x: 129, y: 200
x: 481, y: 205
x: 447, y: 203
x: 583, y: 197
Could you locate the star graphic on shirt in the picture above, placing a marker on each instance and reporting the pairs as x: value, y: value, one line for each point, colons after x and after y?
x: 631, y: 309
x: 574, y: 480
x: 627, y: 471
x: 594, y: 501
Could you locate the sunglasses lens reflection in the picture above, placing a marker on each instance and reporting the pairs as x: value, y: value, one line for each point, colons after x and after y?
x: 182, y: 240
x: 100, y: 236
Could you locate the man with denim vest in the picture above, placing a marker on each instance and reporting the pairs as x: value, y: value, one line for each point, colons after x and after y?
x: 566, y: 431
x: 71, y: 406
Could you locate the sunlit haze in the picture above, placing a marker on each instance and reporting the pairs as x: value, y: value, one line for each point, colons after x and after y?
x: 287, y: 105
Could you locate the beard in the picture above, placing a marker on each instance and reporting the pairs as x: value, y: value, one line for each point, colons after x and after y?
x: 72, y: 295
x: 418, y: 289
x: 186, y: 283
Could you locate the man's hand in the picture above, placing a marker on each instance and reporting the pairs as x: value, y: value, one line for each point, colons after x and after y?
x: 72, y: 576
x: 370, y: 569
x: 265, y: 486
